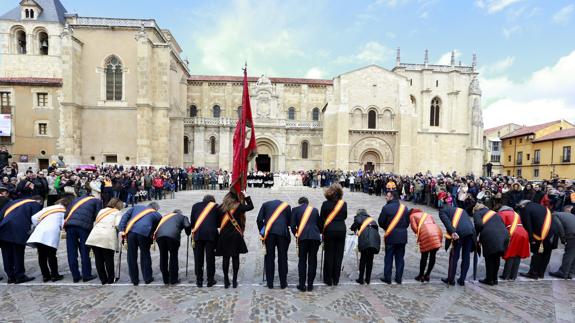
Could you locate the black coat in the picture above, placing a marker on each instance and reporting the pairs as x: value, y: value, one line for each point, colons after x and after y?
x: 338, y: 223
x: 312, y: 228
x: 173, y: 227
x: 464, y: 228
x: 208, y: 230
x: 231, y: 242
x: 281, y: 225
x: 85, y: 215
x: 388, y: 212
x: 532, y: 218
x: 369, y: 238
x: 493, y: 235
x: 16, y: 227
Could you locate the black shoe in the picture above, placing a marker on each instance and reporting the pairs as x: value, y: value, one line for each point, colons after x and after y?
x: 211, y: 283
x: 309, y: 288
x: 75, y: 280
x: 283, y: 286
x: 89, y: 278
x: 426, y: 278
x: 461, y: 282
x: 46, y: 279
x: 503, y: 277
x: 486, y: 282
x: 200, y: 284
x: 11, y: 281
x: 359, y: 281
x: 136, y: 283
x: 446, y: 281
x: 419, y: 278
x: 226, y: 283
x: 528, y: 275
x: 58, y: 277
x: 270, y: 286
x: 103, y: 282
x: 24, y: 279
x: 301, y: 288
x: 557, y: 274
x: 398, y: 281
x: 235, y: 284
x: 385, y: 281
x: 176, y: 282
x: 149, y: 281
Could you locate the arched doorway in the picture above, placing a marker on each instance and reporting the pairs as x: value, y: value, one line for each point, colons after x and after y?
x: 370, y: 161
x: 267, y: 157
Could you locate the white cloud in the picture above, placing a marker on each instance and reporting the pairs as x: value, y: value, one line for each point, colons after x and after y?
x: 547, y: 95
x: 314, y: 73
x: 563, y: 16
x: 498, y: 67
x: 493, y: 6
x: 445, y: 59
x: 508, y: 32
x: 369, y: 53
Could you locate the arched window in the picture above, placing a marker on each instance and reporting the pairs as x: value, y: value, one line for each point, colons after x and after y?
x: 213, y: 145
x: 304, y: 150
x: 216, y: 111
x: 27, y: 12
x: 371, y: 119
x: 32, y: 13
x: 434, y: 113
x: 43, y: 43
x: 315, y: 114
x: 21, y: 41
x: 193, y: 111
x: 239, y: 112
x: 291, y: 113
x: 114, y: 79
x: 186, y: 145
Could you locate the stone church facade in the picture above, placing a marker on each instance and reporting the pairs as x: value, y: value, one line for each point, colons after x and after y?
x: 107, y: 90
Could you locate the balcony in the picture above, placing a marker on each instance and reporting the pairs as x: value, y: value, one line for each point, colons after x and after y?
x: 495, y: 158
x: 536, y: 162
x: 231, y: 122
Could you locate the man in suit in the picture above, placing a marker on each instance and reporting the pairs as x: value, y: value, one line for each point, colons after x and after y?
x: 273, y: 222
x: 205, y: 219
x: 78, y: 222
x: 394, y: 220
x: 15, y: 225
x: 305, y: 226
x: 460, y: 233
x: 137, y: 226
x: 566, y: 226
x: 168, y: 237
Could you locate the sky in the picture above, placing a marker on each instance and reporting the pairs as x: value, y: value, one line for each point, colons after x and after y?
x: 525, y: 48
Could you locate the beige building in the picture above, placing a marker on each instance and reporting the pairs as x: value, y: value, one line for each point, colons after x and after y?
x: 492, y: 148
x: 116, y: 90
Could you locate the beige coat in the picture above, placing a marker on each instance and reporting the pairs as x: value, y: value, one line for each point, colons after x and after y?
x: 105, y: 233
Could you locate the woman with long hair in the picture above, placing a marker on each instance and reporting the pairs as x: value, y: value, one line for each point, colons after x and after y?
x: 332, y: 218
x: 231, y: 242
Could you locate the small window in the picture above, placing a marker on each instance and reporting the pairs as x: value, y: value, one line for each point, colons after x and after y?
x: 436, y: 83
x: 519, y: 158
x: 186, y: 145
x: 520, y: 140
x: 537, y: 156
x: 519, y: 172
x: 528, y: 156
x: 43, y: 39
x: 434, y: 113
x: 239, y: 110
x: 315, y: 114
x: 42, y: 129
x: 566, y: 154
x: 42, y: 99
x: 193, y: 111
x: 213, y: 145
x: 4, y: 99
x: 291, y: 113
x: 536, y: 172
x: 112, y: 159
x: 509, y: 158
x: 216, y: 111
x: 410, y: 82
x: 508, y: 173
x: 371, y: 119
x: 510, y: 141
x: 304, y: 150
x: 21, y: 41
x: 495, y: 145
x: 32, y: 13
x: 27, y: 13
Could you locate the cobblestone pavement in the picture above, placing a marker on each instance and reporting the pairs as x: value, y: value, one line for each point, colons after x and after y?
x: 532, y: 301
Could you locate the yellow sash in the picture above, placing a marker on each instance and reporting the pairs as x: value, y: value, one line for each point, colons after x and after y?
x: 104, y: 214
x: 162, y: 221
x: 303, y: 222
x: 136, y: 218
x: 332, y: 215
x: 395, y: 220
x: 420, y: 224
x: 58, y: 210
x: 546, y: 227
x: 76, y: 206
x: 227, y: 218
x: 364, y: 225
x: 16, y: 205
x: 487, y: 216
x: 273, y: 219
x: 203, y: 216
x: 514, y: 224
x: 455, y: 221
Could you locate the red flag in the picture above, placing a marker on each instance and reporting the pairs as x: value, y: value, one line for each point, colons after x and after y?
x: 244, y: 142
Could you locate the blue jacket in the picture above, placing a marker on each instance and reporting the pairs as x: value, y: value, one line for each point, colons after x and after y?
x: 399, y: 233
x: 281, y: 225
x: 312, y: 228
x: 464, y: 228
x: 146, y: 225
x: 16, y: 227
x: 85, y: 215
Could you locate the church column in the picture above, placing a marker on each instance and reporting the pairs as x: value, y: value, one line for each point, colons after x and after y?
x: 199, y: 154
x: 475, y: 151
x: 177, y: 141
x: 225, y: 144
x: 144, y: 123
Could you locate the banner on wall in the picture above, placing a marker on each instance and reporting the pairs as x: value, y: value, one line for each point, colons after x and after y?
x: 5, y: 125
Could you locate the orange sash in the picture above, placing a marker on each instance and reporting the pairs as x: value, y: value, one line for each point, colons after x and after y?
x: 333, y: 213
x: 273, y: 219
x: 15, y: 206
x: 58, y: 210
x: 395, y: 220
x: 76, y: 206
x: 303, y: 222
x: 546, y: 227
x: 514, y: 224
x: 136, y: 219
x: 104, y: 214
x: 420, y: 224
x: 164, y: 219
x: 487, y: 216
x: 203, y: 216
x: 364, y: 225
x: 455, y: 221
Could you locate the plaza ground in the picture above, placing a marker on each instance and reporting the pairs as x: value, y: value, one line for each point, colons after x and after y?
x: 547, y: 300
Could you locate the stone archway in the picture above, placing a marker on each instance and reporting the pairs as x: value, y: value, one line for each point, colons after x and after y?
x: 268, y: 156
x: 374, y: 150
x: 370, y: 160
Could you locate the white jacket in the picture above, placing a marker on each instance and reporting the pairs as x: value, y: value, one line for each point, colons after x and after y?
x: 105, y: 233
x: 47, y: 231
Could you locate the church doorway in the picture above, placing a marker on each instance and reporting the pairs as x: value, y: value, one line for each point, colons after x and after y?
x: 369, y: 167
x: 371, y: 161
x: 263, y: 163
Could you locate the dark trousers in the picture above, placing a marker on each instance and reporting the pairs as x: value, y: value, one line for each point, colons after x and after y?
x: 76, y: 241
x: 492, y: 263
x: 13, y: 258
x: 394, y: 252
x: 511, y: 268
x: 568, y: 263
x: 463, y: 248
x: 47, y: 261
x: 334, y: 245
x: 366, y: 265
x: 135, y: 242
x: 226, y: 267
x: 280, y: 243
x: 169, y: 259
x: 539, y: 262
x: 307, y: 263
x: 423, y: 262
x: 105, y: 264
x: 205, y: 248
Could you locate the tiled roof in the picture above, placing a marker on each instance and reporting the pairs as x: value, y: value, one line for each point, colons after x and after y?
x: 495, y: 129
x: 212, y: 78
x: 38, y: 81
x: 529, y: 130
x: 52, y: 10
x: 565, y: 133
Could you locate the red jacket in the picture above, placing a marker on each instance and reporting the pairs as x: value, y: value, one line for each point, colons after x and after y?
x: 430, y: 236
x: 519, y: 243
